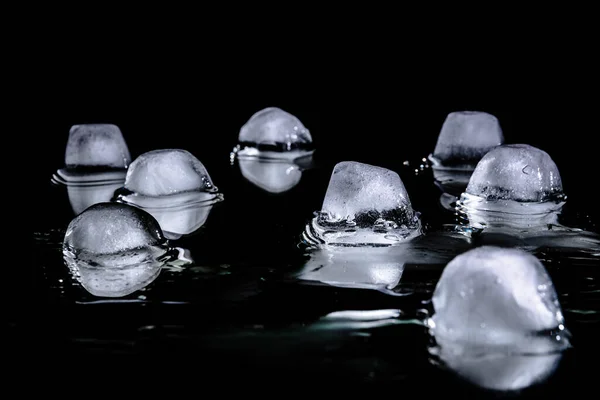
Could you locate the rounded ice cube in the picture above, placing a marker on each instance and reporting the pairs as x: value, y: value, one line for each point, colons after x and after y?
x: 167, y: 172
x: 517, y: 172
x: 274, y: 127
x: 356, y: 189
x: 110, y: 228
x: 96, y: 145
x: 466, y: 136
x: 492, y: 296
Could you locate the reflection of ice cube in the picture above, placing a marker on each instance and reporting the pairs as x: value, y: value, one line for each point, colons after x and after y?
x: 516, y: 172
x: 82, y: 197
x: 492, y: 297
x: 96, y: 145
x: 180, y: 220
x: 465, y: 137
x: 274, y: 127
x: 109, y: 228
x: 272, y: 176
x: 167, y: 172
x: 502, y: 372
x: 115, y: 275
x: 376, y: 267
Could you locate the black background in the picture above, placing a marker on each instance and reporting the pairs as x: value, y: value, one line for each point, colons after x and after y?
x: 378, y: 98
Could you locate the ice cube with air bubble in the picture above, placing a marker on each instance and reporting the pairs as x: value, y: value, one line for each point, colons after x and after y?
x: 516, y: 172
x: 114, y: 249
x: 497, y: 300
x: 273, y: 133
x: 173, y: 186
x: 364, y: 204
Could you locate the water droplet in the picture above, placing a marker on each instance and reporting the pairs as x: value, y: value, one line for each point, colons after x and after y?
x: 558, y: 337
x: 142, y: 297
x: 60, y: 281
x: 462, y: 293
x: 482, y: 325
x: 406, y: 163
x: 561, y: 327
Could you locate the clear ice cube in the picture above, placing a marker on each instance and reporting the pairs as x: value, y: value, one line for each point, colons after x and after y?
x: 111, y: 228
x: 167, y: 172
x: 360, y: 191
x: 466, y: 136
x: 274, y: 129
x: 518, y: 172
x: 96, y: 145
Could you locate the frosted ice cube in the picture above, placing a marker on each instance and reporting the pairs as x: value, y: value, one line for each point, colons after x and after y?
x: 274, y: 177
x: 465, y: 137
x: 110, y: 228
x: 492, y: 297
x: 274, y: 127
x: 356, y: 189
x: 96, y: 145
x: 167, y: 172
x: 517, y: 172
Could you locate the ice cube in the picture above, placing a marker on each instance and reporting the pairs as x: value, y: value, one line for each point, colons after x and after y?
x: 466, y: 136
x: 276, y: 129
x: 96, y: 145
x: 492, y: 297
x: 111, y: 228
x: 167, y: 172
x: 356, y: 189
x: 364, y: 205
x: 518, y: 172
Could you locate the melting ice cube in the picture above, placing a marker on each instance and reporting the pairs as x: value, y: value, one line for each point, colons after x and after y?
x: 497, y: 299
x: 174, y: 187
x: 167, y: 172
x: 114, y: 249
x: 466, y: 136
x: 273, y: 133
x: 96, y: 145
x: 364, y: 204
x: 110, y: 228
x: 518, y: 172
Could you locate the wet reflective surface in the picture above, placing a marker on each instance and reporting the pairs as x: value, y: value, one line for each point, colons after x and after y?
x: 246, y: 293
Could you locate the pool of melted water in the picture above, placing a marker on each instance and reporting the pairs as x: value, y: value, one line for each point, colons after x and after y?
x: 249, y: 300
